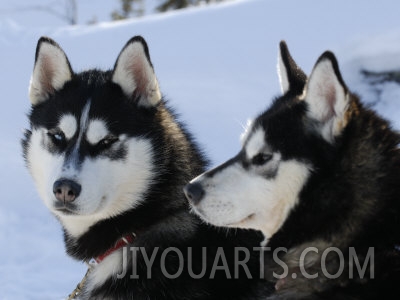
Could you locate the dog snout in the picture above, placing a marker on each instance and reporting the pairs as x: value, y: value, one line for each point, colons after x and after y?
x: 194, y: 192
x: 66, y: 190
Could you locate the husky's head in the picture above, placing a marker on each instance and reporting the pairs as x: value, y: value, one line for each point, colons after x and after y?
x: 88, y: 148
x: 281, y: 148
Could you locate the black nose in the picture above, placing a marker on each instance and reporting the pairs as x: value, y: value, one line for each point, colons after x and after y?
x: 66, y: 190
x: 194, y: 192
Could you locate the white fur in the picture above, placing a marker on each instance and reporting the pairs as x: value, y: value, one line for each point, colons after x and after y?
x: 282, y: 74
x: 50, y: 73
x: 43, y: 166
x: 97, y: 130
x: 241, y: 198
x: 84, y: 122
x: 247, y: 131
x: 68, y: 125
x: 327, y: 99
x: 133, y: 71
x: 256, y: 143
x: 246, y: 198
x: 109, y: 267
x: 109, y: 187
x: 69, y: 168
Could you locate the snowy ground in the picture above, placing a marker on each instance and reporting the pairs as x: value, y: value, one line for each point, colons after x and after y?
x: 216, y: 64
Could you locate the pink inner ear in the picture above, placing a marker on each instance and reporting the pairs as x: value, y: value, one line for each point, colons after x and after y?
x: 134, y: 73
x: 330, y: 99
x: 138, y: 73
x: 47, y: 74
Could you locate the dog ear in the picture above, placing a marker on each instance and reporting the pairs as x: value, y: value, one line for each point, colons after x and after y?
x: 134, y: 73
x: 291, y: 77
x: 327, y: 97
x: 51, y: 71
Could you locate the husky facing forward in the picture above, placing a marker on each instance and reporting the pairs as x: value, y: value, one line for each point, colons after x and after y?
x: 319, y: 175
x: 109, y: 160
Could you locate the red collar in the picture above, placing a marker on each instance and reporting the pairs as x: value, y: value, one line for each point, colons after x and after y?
x: 128, y: 239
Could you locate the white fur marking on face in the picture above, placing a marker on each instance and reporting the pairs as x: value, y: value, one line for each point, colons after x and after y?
x: 82, y: 128
x: 110, y: 188
x: 236, y: 197
x: 74, y: 157
x: 43, y: 166
x: 256, y: 143
x: 84, y: 120
x: 96, y: 131
x: 68, y: 125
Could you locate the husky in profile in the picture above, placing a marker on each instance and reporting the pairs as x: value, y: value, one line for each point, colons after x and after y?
x: 109, y: 160
x: 319, y: 175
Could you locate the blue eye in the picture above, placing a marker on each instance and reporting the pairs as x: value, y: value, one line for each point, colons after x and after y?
x: 57, y: 137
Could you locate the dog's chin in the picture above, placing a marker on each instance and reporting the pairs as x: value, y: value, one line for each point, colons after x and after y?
x: 203, y: 216
x: 75, y: 209
x: 242, y: 223
x: 66, y: 209
x: 66, y: 212
x: 70, y: 209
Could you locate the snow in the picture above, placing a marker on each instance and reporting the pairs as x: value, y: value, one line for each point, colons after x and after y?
x: 42, y: 13
x: 217, y: 66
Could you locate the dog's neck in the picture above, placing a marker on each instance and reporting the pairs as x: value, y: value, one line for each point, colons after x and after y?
x: 105, y: 234
x: 122, y: 242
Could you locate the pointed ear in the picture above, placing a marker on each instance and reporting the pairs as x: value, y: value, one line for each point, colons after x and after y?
x: 51, y: 71
x: 134, y: 72
x: 327, y: 97
x: 291, y: 77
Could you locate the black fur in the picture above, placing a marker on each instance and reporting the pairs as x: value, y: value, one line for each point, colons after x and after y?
x: 350, y: 201
x: 352, y: 198
x: 296, y: 76
x: 163, y: 219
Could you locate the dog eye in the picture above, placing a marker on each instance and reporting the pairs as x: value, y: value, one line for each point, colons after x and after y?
x: 57, y: 137
x: 107, y: 142
x: 261, y: 159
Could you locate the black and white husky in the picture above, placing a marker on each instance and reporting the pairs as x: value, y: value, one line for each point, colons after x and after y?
x: 110, y: 160
x: 319, y: 175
